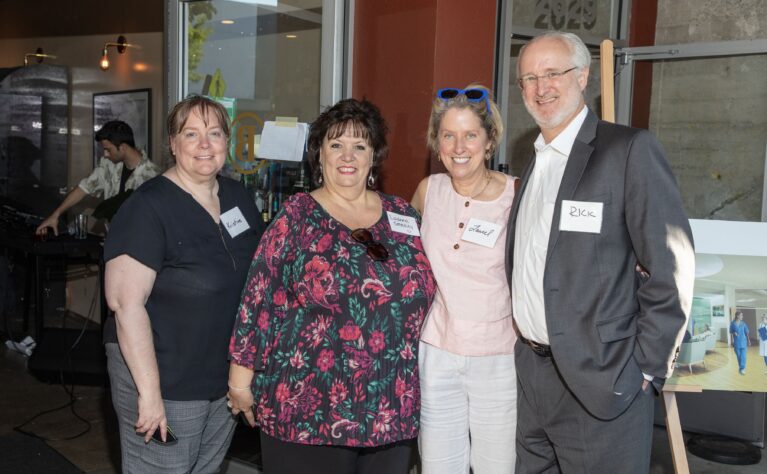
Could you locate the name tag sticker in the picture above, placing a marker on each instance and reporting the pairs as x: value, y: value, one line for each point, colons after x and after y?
x: 403, y: 224
x: 481, y: 232
x: 581, y: 216
x: 234, y: 222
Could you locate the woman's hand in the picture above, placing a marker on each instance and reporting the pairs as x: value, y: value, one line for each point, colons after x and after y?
x: 240, y: 394
x: 151, y: 416
x: 241, y: 401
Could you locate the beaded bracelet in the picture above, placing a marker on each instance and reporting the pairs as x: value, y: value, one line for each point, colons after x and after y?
x: 239, y: 388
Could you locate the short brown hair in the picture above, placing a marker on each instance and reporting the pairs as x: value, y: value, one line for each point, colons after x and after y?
x: 205, y: 106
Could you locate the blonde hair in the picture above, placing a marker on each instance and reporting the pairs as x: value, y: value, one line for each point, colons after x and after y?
x: 491, y: 121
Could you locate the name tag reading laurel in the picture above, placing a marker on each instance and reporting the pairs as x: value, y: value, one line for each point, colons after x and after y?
x: 234, y: 222
x: 581, y: 216
x: 403, y: 224
x: 481, y: 232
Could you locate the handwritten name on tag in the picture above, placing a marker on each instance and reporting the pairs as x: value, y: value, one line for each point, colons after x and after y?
x: 403, y: 224
x: 481, y: 232
x: 234, y: 222
x: 581, y: 216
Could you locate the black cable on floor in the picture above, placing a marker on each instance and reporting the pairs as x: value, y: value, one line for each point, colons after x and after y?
x: 68, y: 390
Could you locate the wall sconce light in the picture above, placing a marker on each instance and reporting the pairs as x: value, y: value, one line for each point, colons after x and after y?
x: 121, y: 45
x: 38, y: 55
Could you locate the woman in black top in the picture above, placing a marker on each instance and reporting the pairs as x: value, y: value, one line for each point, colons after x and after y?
x: 177, y: 256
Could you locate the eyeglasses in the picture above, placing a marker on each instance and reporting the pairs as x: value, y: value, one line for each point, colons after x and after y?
x: 376, y: 250
x: 532, y: 80
x: 472, y: 95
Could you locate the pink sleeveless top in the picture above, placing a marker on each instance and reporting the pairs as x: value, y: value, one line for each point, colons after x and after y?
x: 471, y: 312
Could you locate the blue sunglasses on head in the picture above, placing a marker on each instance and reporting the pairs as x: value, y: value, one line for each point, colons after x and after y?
x: 472, y: 95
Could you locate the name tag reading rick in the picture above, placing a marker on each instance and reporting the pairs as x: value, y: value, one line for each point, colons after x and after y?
x: 234, y: 222
x: 481, y: 233
x: 581, y: 216
x: 403, y: 224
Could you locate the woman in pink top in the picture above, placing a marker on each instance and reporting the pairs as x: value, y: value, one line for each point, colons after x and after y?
x: 466, y: 359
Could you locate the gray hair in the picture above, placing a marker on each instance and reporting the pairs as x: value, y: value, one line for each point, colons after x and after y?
x: 581, y: 57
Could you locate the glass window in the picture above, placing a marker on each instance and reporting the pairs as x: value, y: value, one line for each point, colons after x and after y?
x: 264, y: 53
x: 261, y: 59
x: 709, y: 115
x: 590, y: 17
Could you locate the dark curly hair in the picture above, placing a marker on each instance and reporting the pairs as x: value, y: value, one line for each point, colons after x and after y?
x: 365, y: 121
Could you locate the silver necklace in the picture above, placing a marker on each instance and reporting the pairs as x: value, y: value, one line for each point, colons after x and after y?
x: 482, y: 190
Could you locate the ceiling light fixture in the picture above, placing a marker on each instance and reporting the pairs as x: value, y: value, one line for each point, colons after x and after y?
x: 227, y: 22
x: 39, y: 55
x: 291, y: 36
x: 121, y: 45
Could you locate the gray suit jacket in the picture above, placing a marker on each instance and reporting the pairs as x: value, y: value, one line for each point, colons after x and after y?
x: 606, y: 323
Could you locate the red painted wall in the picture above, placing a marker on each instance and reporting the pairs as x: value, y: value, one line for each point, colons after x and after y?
x: 404, y: 50
x: 643, y: 17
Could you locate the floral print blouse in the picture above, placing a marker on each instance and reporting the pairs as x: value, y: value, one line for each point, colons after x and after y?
x: 331, y: 333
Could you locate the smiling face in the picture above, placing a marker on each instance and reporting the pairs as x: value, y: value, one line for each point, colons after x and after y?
x: 200, y: 147
x: 346, y: 160
x: 462, y: 144
x: 553, y: 103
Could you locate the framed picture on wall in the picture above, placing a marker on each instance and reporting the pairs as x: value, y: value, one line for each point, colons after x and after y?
x: 133, y: 107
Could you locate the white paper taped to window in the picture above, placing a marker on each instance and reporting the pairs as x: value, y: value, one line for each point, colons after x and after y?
x: 283, y: 143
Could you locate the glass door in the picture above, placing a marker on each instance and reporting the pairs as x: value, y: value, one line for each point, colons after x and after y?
x: 265, y: 60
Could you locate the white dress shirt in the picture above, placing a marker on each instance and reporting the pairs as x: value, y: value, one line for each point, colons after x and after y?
x: 531, y: 237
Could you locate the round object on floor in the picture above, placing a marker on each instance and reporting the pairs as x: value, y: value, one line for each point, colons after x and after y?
x: 724, y: 450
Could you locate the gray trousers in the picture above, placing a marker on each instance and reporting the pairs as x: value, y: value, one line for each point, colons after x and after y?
x: 204, y: 428
x: 556, y: 434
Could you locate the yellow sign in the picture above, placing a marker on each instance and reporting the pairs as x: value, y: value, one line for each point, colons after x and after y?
x: 217, y: 84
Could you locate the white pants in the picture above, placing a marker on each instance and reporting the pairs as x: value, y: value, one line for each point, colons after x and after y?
x: 468, y: 412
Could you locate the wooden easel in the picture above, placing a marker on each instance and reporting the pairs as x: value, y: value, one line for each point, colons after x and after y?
x: 673, y: 426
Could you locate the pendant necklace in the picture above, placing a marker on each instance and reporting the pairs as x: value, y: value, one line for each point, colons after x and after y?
x: 470, y: 198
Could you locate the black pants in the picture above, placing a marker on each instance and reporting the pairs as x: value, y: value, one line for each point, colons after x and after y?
x: 282, y: 457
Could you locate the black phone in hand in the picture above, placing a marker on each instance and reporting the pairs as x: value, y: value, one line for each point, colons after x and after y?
x: 170, y: 437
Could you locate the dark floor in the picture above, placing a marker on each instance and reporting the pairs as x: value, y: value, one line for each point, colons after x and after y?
x: 97, y: 451
x: 31, y: 386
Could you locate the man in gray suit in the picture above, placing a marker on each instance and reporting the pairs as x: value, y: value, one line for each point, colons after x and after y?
x: 598, y: 336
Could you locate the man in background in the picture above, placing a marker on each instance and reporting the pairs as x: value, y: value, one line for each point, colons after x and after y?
x: 122, y: 168
x: 598, y: 337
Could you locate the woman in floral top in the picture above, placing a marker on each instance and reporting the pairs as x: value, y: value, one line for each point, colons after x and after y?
x: 325, y: 346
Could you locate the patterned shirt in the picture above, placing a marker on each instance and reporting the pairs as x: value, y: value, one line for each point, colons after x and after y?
x: 331, y: 333
x: 104, y: 181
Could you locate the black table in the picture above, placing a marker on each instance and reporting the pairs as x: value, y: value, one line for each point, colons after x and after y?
x: 41, y: 253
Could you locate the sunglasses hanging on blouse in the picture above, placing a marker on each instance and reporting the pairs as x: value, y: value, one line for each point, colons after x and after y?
x: 375, y: 250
